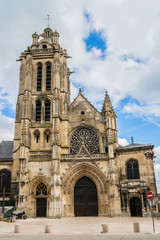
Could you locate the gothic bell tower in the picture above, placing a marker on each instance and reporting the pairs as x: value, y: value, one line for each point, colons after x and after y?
x: 41, y: 111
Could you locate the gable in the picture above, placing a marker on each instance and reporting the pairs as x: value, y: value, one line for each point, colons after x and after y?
x: 82, y: 111
x: 81, y: 103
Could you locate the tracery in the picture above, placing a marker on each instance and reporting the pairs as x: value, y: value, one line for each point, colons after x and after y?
x: 41, y: 189
x: 88, y: 138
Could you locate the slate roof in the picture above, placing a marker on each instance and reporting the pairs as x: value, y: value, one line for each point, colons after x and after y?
x: 6, y: 150
x: 133, y: 146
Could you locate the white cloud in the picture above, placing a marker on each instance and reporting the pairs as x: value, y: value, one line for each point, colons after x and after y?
x: 74, y: 91
x: 140, y: 110
x: 128, y: 27
x: 6, y: 128
x: 157, y: 154
x: 123, y: 141
x: 96, y: 52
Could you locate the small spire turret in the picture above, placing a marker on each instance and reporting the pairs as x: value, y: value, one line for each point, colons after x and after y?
x: 35, y: 38
x: 107, y: 106
x: 56, y: 37
x: 111, y: 125
x: 48, y: 33
x: 107, y: 101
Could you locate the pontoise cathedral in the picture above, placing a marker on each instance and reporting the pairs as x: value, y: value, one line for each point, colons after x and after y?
x: 65, y: 159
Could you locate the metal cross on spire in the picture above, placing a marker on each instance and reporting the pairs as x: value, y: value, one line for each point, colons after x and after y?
x: 48, y: 18
x: 132, y: 140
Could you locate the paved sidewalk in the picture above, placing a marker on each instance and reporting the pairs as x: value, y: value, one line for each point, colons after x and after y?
x: 81, y: 226
x: 80, y: 237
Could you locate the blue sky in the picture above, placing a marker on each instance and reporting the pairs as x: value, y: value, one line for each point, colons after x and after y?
x: 95, y: 40
x: 114, y: 45
x: 139, y: 127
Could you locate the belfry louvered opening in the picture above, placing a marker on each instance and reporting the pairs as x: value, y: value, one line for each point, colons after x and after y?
x: 39, y: 77
x: 47, y: 110
x: 38, y: 111
x: 48, y: 77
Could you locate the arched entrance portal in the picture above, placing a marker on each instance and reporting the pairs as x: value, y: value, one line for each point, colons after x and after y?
x: 41, y: 202
x: 85, y: 198
x: 135, y: 207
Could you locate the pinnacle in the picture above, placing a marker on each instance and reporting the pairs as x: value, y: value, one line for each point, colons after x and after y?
x: 107, y: 98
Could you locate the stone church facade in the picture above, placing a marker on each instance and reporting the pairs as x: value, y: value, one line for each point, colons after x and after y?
x: 66, y: 157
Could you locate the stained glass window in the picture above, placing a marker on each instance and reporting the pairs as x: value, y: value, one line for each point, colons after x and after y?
x: 41, y: 189
x: 88, y: 138
x: 132, y: 169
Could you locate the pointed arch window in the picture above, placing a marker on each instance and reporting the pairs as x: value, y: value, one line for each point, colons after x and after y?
x: 47, y: 136
x: 37, y: 136
x: 48, y: 77
x: 38, y: 111
x: 132, y: 169
x: 39, y: 77
x: 47, y: 110
x: 41, y: 189
x: 5, y: 181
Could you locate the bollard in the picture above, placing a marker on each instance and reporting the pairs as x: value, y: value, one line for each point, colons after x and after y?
x: 17, y: 227
x: 136, y: 227
x: 104, y: 228
x: 48, y: 228
x: 13, y: 219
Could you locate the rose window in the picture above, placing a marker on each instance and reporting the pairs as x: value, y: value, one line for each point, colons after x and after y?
x: 88, y: 138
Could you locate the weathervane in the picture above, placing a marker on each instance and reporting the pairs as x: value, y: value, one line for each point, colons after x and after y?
x: 48, y: 18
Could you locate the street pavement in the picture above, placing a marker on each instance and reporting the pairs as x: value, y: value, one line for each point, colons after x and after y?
x: 78, y: 228
x: 81, y: 237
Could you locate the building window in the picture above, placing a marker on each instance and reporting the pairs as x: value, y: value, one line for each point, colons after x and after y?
x: 47, y: 136
x: 47, y: 110
x: 132, y: 169
x: 44, y: 46
x: 37, y: 136
x: 86, y: 137
x: 5, y: 181
x: 39, y: 78
x: 106, y: 149
x: 41, y: 189
x: 38, y: 111
x: 48, y: 77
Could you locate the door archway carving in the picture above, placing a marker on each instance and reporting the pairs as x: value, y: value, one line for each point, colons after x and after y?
x: 86, y: 170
